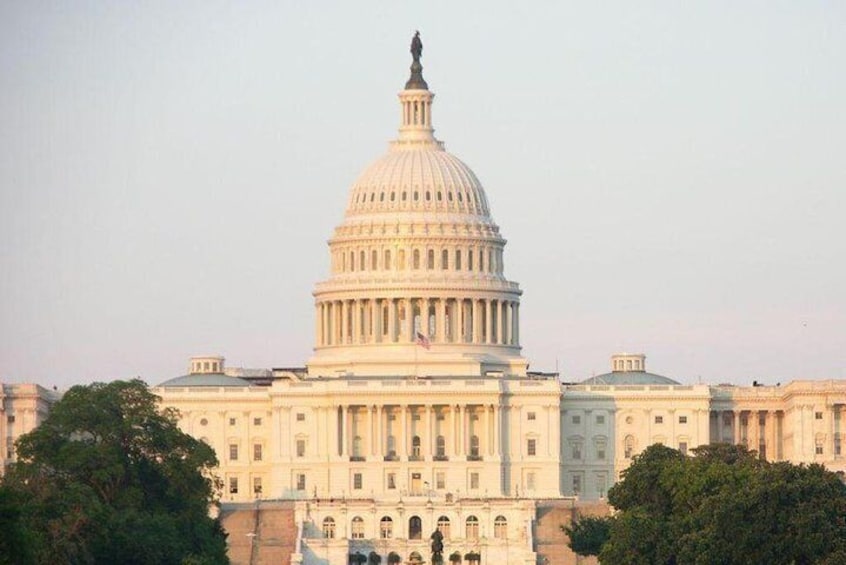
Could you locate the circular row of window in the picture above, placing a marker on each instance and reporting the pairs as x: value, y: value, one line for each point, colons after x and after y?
x: 472, y: 199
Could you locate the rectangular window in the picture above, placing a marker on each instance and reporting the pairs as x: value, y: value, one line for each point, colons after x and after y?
x: 577, y: 484
x: 531, y: 447
x: 659, y: 419
x: 600, y: 451
x: 256, y: 421
x: 600, y: 419
x: 300, y: 417
x: 682, y: 419
x: 819, y: 449
x: 233, y: 485
x: 233, y: 451
x: 356, y: 481
x: 232, y: 421
x: 392, y: 417
x: 10, y: 419
x: 257, y: 485
x: 474, y: 481
x: 818, y: 415
x: 415, y: 417
x: 683, y: 447
x: 392, y: 481
x: 577, y: 451
x: 601, y: 485
x: 301, y: 481
x: 530, y: 480
x: 530, y: 416
x: 257, y: 452
x: 577, y: 419
x: 301, y: 448
x: 440, y: 480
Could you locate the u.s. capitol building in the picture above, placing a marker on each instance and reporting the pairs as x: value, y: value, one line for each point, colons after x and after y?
x: 417, y: 412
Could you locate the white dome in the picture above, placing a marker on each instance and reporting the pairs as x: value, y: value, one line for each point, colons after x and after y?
x: 418, y: 179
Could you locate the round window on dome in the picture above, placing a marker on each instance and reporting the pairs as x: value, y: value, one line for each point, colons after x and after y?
x: 428, y: 195
x: 460, y: 197
x: 204, y: 422
x: 393, y: 196
x: 382, y: 197
x: 404, y: 194
x: 449, y: 196
x: 372, y: 196
x: 440, y: 196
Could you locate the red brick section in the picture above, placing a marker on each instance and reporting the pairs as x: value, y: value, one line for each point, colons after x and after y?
x: 550, y: 541
x: 275, y: 529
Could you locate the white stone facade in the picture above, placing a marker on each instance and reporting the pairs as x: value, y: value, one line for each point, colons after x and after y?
x: 22, y: 408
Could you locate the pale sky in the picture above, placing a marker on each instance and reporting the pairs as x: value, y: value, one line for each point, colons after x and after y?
x: 670, y: 176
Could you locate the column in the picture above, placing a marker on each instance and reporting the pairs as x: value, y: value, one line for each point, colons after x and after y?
x: 501, y: 307
x: 318, y: 327
x: 380, y: 432
x: 377, y: 320
x: 344, y: 326
x: 497, y: 416
x: 736, y: 427
x: 456, y: 426
x: 441, y: 320
x: 403, y: 447
x: 428, y: 438
x: 476, y: 331
x: 516, y: 321
x: 343, y: 442
x: 355, y: 305
x: 509, y: 323
x: 392, y: 320
x: 424, y: 318
x: 488, y: 324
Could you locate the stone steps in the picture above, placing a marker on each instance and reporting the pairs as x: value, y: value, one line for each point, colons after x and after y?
x: 275, y: 533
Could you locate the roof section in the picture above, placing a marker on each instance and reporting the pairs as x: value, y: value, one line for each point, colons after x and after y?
x: 206, y: 379
x: 629, y: 378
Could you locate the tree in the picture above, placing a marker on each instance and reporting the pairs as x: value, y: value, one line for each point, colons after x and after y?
x: 722, y: 505
x: 588, y: 534
x: 109, y: 478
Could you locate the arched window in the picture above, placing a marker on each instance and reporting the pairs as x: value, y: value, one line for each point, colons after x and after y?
x: 430, y: 259
x: 445, y: 259
x: 362, y: 263
x: 469, y: 259
x: 457, y: 259
x: 374, y: 259
x: 472, y: 528
x: 500, y: 527
x: 444, y: 526
x: 387, y: 259
x: 415, y: 446
x: 401, y: 260
x: 440, y: 446
x: 329, y: 528
x: 386, y: 528
x: 357, y: 529
x: 415, y: 259
x: 415, y: 528
x: 474, y: 445
x: 415, y: 557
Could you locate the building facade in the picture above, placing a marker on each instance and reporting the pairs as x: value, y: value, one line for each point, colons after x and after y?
x: 417, y: 412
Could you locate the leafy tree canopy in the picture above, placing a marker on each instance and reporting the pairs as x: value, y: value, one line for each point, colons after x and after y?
x: 721, y: 505
x: 109, y: 478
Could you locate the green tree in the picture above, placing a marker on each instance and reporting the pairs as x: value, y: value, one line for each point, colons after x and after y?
x: 109, y: 478
x: 588, y: 534
x: 723, y: 505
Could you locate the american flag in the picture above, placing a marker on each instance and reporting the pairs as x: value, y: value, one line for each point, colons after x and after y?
x: 422, y: 340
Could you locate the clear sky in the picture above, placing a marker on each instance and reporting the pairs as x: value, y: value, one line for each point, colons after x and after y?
x: 671, y: 176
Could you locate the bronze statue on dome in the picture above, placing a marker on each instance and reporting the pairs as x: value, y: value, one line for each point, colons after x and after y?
x: 416, y: 47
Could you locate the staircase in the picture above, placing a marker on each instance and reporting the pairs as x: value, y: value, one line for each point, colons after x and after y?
x: 550, y: 541
x: 261, y: 533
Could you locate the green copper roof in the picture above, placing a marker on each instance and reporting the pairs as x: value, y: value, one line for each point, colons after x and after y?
x: 206, y: 379
x: 629, y: 378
